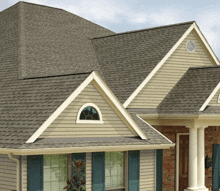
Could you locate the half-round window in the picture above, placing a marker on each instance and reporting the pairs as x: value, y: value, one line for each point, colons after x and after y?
x: 89, y: 113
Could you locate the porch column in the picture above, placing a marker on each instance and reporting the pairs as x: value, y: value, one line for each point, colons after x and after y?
x: 201, y: 158
x: 192, y: 172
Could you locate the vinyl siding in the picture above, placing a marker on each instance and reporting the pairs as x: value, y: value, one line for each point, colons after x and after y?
x: 65, y: 125
x: 170, y: 73
x: 8, y: 173
x: 147, y: 170
x: 88, y: 171
x: 24, y: 173
x: 214, y: 100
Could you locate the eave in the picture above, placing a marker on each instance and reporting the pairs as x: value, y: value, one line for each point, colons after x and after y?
x: 83, y: 149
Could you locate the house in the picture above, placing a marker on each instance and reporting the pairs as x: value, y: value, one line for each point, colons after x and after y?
x: 139, y: 109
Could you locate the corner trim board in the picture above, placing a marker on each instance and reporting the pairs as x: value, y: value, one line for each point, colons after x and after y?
x: 17, y: 170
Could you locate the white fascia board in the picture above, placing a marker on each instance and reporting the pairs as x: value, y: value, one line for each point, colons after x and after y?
x: 140, y: 87
x: 68, y: 150
x: 155, y: 129
x: 206, y: 43
x: 60, y: 109
x: 210, y: 97
x: 119, y: 106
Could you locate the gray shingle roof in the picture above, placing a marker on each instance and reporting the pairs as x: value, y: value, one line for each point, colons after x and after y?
x: 55, y: 42
x: 191, y: 92
x: 126, y: 59
x: 152, y: 134
x: 211, y: 110
x: 51, y: 53
x: 26, y: 104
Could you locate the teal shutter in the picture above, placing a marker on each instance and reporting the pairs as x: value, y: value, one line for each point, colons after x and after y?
x: 35, y: 173
x: 133, y: 170
x: 215, y: 176
x: 79, y: 156
x: 98, y: 171
x: 159, y: 169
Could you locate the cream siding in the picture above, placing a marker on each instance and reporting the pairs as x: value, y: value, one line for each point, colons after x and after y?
x: 65, y: 125
x: 88, y: 171
x: 8, y: 173
x: 214, y: 100
x: 170, y: 73
x: 147, y: 170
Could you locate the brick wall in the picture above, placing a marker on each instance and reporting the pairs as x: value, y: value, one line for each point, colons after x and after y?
x: 212, y: 136
x: 169, y: 155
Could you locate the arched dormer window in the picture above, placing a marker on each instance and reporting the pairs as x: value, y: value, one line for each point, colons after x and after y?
x: 89, y: 113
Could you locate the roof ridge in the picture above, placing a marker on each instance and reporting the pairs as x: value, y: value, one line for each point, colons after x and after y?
x: 140, y: 30
x: 40, y: 5
x: 52, y: 76
x: 203, y: 67
x: 61, y: 9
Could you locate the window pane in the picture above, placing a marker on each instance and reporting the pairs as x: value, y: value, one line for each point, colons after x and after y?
x: 89, y: 113
x: 114, y: 169
x: 55, y: 172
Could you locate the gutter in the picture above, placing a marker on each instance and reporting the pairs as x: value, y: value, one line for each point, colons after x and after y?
x: 18, y: 169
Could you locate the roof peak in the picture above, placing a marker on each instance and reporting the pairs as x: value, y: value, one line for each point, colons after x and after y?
x: 151, y: 28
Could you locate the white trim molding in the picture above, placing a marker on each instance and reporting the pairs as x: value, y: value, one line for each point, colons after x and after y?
x: 93, y: 76
x: 59, y: 110
x: 140, y: 87
x: 119, y: 106
x: 78, y: 120
x: 158, y: 66
x: 68, y: 150
x: 210, y: 97
x: 218, y: 101
x: 215, y: 58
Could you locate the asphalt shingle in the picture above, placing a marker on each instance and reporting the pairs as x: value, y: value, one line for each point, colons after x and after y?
x: 191, y: 92
x: 126, y: 59
x: 46, y: 53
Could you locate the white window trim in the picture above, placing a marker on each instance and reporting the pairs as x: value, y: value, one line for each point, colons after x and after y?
x: 100, y: 121
x: 218, y: 99
x: 187, y: 47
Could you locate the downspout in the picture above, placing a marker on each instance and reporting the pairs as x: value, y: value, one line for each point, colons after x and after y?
x: 18, y: 170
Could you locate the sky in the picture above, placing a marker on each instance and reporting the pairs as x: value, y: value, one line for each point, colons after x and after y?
x: 127, y: 15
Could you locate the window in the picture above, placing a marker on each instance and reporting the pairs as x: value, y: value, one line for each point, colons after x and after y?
x: 55, y: 172
x: 114, y: 171
x: 89, y: 113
